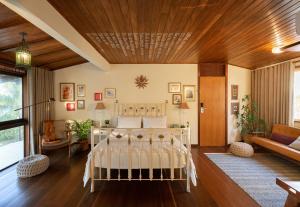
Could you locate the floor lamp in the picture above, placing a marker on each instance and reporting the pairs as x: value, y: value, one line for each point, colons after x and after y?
x: 182, y: 106
x: 29, y: 112
x: 100, y: 106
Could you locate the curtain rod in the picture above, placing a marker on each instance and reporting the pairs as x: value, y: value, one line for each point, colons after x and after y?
x: 294, y: 60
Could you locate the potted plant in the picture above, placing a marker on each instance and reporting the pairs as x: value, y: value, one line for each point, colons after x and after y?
x: 249, y: 120
x: 82, y: 130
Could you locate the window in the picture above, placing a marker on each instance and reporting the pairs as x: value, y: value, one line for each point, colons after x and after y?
x: 11, y: 121
x: 10, y: 97
x: 297, y: 96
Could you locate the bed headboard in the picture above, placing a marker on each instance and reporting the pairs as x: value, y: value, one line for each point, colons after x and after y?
x: 140, y: 109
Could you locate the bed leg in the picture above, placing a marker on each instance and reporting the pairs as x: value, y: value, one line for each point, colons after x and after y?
x: 188, y: 187
x: 92, y: 185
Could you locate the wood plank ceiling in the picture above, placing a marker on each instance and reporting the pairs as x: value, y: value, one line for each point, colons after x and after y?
x: 239, y: 32
x: 46, y: 51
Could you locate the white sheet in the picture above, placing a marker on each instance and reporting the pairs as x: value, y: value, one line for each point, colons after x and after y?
x: 162, y: 156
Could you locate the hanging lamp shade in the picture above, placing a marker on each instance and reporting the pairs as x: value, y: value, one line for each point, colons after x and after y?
x: 100, y: 106
x: 23, y: 55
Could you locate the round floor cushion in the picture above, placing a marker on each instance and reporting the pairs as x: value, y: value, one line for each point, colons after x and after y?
x: 241, y: 149
x: 32, y: 165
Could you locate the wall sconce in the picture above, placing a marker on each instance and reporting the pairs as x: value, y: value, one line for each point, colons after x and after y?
x: 70, y: 106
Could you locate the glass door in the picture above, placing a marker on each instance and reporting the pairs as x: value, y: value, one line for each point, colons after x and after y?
x: 11, y: 121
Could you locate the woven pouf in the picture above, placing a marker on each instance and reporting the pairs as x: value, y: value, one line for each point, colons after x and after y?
x: 241, y: 149
x: 32, y: 165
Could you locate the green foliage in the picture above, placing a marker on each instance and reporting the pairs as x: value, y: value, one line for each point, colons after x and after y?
x: 249, y: 120
x: 10, y: 99
x: 82, y: 128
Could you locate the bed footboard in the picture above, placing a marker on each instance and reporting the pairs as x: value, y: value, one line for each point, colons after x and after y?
x: 137, y: 150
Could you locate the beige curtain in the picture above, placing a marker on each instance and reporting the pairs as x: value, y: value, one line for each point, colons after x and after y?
x: 41, y: 87
x: 272, y: 89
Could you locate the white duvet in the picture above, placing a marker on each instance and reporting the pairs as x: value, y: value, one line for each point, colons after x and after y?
x: 163, y: 156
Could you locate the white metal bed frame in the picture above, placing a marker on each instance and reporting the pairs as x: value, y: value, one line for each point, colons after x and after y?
x: 181, y: 134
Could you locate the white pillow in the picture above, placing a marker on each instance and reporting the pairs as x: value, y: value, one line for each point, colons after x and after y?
x: 129, y: 122
x: 295, y: 144
x: 155, y: 122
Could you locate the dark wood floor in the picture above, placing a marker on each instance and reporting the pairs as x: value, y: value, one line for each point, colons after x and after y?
x: 61, y: 185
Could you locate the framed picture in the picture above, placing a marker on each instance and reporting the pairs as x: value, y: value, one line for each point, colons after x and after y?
x: 98, y: 96
x: 67, y: 92
x: 80, y: 104
x: 81, y: 90
x: 110, y: 93
x: 234, y: 92
x: 235, y: 108
x: 174, y: 87
x: 176, y: 99
x: 189, y: 92
x: 70, y: 106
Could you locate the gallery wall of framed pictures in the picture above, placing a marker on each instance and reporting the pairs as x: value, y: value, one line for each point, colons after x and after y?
x: 181, y: 93
x: 68, y: 93
x: 74, y: 94
x: 235, y: 105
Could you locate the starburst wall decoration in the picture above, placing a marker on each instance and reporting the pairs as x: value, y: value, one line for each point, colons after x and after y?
x: 141, y: 81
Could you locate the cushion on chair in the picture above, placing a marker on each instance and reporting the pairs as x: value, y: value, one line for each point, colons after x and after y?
x: 59, y: 143
x: 283, y: 139
x: 32, y: 165
x: 241, y: 149
x: 295, y: 144
x: 49, y: 131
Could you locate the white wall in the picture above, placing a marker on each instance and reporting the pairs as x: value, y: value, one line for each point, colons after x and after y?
x: 121, y: 77
x: 241, y: 77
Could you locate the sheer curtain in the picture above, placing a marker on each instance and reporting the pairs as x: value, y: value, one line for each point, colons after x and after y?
x: 41, y: 88
x: 272, y: 90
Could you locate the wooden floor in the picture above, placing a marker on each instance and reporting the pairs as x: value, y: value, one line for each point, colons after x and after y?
x: 61, y: 185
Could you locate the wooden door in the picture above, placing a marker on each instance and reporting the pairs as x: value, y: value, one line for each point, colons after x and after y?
x: 212, y: 112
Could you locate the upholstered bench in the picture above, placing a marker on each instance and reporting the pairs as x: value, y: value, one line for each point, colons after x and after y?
x: 279, y: 141
x: 32, y: 165
x: 241, y: 149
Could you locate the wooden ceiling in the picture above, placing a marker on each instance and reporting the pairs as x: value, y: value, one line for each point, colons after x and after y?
x: 238, y: 32
x: 46, y: 51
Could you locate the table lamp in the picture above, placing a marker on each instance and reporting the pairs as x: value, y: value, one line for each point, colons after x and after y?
x: 100, y: 106
x: 182, y: 106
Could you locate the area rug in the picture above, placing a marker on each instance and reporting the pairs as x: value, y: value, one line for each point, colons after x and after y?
x: 257, y: 175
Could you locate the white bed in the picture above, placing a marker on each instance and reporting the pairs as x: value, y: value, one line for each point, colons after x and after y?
x: 141, y: 148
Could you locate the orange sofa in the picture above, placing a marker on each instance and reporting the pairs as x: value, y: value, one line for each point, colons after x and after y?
x: 285, y: 131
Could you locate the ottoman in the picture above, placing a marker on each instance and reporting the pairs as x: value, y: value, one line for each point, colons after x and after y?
x: 241, y: 149
x: 32, y: 165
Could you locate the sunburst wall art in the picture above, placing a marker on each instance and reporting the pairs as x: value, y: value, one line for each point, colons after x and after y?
x: 141, y: 81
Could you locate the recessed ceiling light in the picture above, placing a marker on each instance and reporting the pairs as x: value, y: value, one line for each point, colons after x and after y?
x: 277, y: 50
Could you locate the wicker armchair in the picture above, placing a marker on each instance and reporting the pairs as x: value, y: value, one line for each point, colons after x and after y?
x: 55, y: 135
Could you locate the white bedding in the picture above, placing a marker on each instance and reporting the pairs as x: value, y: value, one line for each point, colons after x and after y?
x: 163, y: 155
x: 140, y: 154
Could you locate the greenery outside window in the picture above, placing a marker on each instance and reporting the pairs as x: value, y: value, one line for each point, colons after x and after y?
x: 11, y: 121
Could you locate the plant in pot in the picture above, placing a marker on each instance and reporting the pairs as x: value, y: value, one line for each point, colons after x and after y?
x: 249, y: 120
x: 82, y: 130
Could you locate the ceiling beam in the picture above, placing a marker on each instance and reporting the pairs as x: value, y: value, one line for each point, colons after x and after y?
x: 44, y: 16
